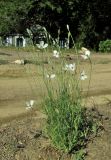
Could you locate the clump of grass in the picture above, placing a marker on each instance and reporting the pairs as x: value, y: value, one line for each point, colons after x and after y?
x: 68, y: 125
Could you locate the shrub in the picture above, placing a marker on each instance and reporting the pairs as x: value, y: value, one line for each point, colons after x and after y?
x: 105, y: 46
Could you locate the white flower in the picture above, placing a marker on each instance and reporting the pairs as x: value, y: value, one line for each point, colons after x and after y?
x: 83, y: 76
x: 70, y: 67
x: 86, y: 52
x: 56, y: 53
x: 42, y: 45
x: 30, y: 104
x: 84, y: 57
x: 84, y: 49
x: 28, y: 108
x: 51, y: 76
x: 67, y: 27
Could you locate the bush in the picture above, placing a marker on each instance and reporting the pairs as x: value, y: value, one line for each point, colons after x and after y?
x: 105, y: 46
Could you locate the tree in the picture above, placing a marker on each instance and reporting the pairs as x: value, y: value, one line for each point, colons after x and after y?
x: 12, y: 15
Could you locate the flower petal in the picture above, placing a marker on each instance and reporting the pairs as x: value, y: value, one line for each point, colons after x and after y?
x: 87, y: 53
x: 52, y: 76
x: 32, y: 102
x: 45, y: 45
x: 56, y: 53
x: 83, y: 76
x: 84, y: 57
x: 70, y: 67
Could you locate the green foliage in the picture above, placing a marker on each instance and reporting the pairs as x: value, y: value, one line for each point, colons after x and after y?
x: 105, y: 46
x: 80, y: 155
x: 12, y: 15
x: 67, y: 125
x: 86, y: 30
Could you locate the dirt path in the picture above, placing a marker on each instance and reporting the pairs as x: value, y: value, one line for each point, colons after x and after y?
x: 100, y: 147
x: 19, y: 84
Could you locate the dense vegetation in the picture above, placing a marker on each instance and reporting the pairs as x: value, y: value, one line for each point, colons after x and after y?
x: 90, y: 21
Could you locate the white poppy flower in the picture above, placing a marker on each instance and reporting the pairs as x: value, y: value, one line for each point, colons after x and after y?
x: 42, y: 45
x: 56, y: 53
x: 51, y: 76
x: 83, y: 76
x: 30, y: 104
x: 84, y: 49
x: 86, y: 52
x: 84, y: 57
x: 70, y: 67
x: 28, y: 108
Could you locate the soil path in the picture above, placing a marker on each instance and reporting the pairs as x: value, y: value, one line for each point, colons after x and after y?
x: 19, y: 84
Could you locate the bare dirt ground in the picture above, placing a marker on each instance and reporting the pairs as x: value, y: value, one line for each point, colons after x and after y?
x: 20, y: 131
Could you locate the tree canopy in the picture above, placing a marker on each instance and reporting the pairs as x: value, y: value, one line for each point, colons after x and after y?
x: 89, y: 21
x: 13, y: 15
